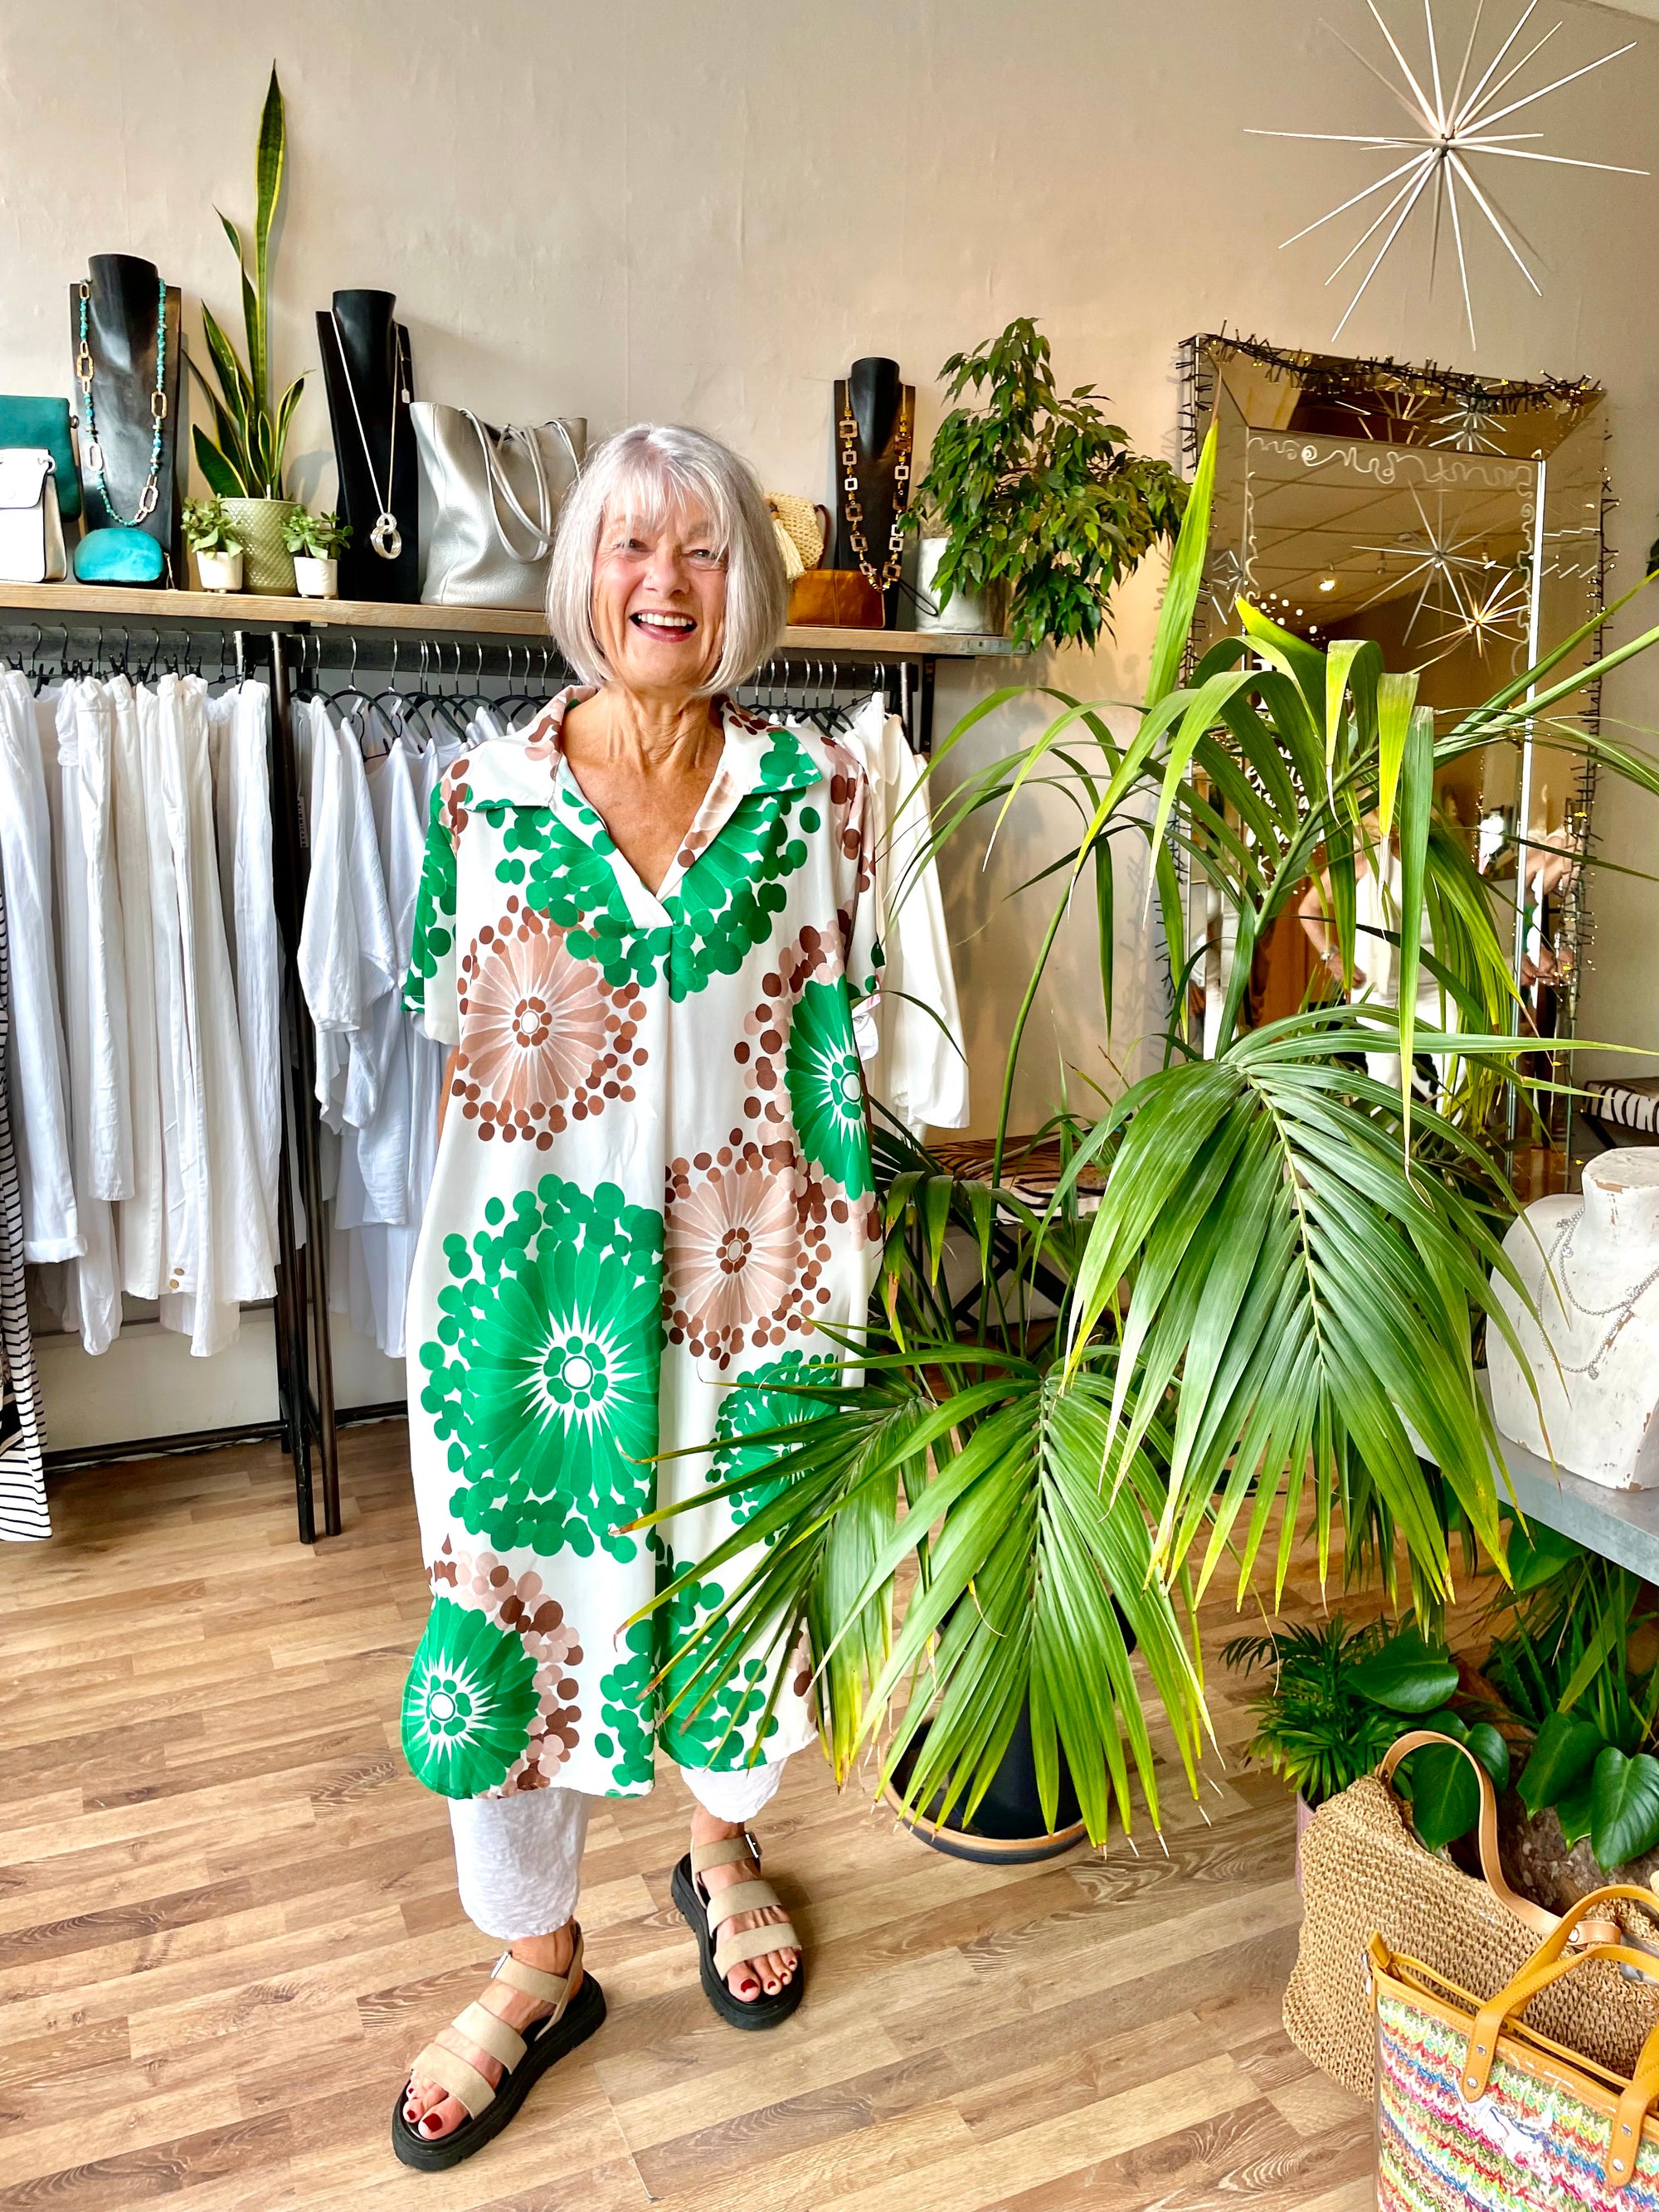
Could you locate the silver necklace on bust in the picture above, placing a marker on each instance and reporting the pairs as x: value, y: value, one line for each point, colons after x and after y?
x: 386, y: 537
x: 1620, y: 1314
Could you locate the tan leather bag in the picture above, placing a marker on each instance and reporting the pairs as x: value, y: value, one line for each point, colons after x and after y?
x: 834, y: 598
x: 1364, y: 1873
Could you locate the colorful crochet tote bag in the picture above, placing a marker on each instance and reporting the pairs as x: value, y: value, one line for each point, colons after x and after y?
x: 1478, y: 2112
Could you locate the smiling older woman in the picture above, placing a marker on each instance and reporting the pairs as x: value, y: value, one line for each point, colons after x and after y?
x: 644, y: 930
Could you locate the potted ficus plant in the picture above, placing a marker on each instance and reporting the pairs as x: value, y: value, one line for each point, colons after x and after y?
x: 208, y: 534
x: 242, y: 461
x: 1032, y: 500
x: 314, y: 541
x: 1271, y: 1310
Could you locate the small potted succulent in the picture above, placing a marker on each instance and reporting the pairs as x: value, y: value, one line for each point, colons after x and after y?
x: 315, y: 540
x: 208, y: 534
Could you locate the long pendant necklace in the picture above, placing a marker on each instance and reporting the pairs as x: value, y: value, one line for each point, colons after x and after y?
x: 1621, y: 1314
x: 852, y: 506
x: 385, y: 537
x: 158, y: 414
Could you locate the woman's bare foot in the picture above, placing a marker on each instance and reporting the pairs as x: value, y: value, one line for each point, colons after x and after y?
x: 428, y: 2107
x: 747, y: 1980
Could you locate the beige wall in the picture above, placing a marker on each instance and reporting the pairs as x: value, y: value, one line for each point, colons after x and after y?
x: 706, y: 211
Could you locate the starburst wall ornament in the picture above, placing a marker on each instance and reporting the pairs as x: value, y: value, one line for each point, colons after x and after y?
x: 1456, y: 128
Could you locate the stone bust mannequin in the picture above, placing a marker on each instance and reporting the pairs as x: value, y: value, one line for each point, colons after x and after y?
x: 1593, y: 1271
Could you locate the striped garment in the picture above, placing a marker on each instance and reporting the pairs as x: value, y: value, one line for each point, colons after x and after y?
x: 1526, y: 2145
x: 22, y: 1489
x: 1625, y: 1106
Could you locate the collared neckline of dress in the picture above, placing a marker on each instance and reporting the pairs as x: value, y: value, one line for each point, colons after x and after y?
x: 756, y: 756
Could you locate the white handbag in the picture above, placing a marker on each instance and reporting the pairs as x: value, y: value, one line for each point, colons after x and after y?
x: 495, y: 496
x: 30, y: 528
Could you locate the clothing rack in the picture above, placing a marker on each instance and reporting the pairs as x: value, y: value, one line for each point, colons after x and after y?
x: 293, y: 645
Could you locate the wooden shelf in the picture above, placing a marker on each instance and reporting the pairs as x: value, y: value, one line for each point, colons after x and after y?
x: 1620, y: 1524
x: 52, y: 604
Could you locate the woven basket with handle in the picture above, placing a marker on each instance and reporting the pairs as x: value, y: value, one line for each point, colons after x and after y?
x: 1363, y: 1872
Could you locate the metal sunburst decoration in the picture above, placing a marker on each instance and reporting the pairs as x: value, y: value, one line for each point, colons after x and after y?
x: 1456, y: 127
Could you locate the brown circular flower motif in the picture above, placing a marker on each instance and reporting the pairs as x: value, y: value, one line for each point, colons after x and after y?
x: 744, y: 1250
x: 545, y: 1040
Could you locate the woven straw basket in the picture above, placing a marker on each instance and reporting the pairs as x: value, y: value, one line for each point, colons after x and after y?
x: 1363, y: 1872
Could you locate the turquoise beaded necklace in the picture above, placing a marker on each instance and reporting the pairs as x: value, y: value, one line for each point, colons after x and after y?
x: 93, y: 470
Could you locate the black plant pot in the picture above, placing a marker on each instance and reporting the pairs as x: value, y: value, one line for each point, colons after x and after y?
x: 1008, y: 1828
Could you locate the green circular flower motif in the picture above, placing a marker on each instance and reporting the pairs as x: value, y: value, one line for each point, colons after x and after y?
x: 628, y: 1738
x: 468, y: 1703
x: 543, y: 1379
x: 757, y: 1402
x: 826, y: 1091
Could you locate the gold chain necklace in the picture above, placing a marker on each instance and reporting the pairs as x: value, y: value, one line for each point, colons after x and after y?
x: 853, y: 509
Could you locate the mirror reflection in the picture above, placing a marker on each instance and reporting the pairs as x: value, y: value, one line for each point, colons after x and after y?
x: 1458, y: 521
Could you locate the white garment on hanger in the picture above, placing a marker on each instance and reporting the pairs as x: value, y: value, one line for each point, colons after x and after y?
x: 241, y: 725
x: 233, y: 1238
x: 140, y: 1221
x: 37, y: 1062
x: 109, y: 1131
x: 346, y: 964
x: 924, y: 1061
x: 93, y: 1305
x: 921, y: 1067
x: 400, y: 1147
x: 175, y: 1078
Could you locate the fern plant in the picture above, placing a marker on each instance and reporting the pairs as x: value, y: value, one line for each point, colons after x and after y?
x: 244, y: 459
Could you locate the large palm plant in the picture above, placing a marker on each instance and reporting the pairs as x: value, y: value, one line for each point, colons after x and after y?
x: 1273, y: 1305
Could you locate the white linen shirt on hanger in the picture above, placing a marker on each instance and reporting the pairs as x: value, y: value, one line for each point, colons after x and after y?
x: 920, y: 1071
x: 140, y: 1218
x: 37, y: 1061
x: 232, y: 1240
x: 92, y: 1306
x: 241, y: 721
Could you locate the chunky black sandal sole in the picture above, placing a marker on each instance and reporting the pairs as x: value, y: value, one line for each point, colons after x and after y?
x: 764, y: 2012
x: 581, y: 2016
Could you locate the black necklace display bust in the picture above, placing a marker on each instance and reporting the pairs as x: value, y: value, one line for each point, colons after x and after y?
x: 122, y: 297
x: 882, y: 407
x: 368, y: 373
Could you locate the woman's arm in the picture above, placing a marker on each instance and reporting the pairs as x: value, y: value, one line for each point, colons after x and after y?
x: 1314, y: 915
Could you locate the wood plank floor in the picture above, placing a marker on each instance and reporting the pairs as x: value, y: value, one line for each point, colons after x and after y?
x: 227, y: 1919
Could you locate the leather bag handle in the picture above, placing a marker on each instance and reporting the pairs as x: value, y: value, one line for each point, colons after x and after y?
x: 1535, y: 1916
x: 500, y: 490
x: 1551, y: 1963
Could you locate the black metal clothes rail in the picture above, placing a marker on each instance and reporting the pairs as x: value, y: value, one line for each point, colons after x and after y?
x: 445, y: 656
x: 307, y: 1420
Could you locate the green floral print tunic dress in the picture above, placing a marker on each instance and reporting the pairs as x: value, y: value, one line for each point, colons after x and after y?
x: 653, y: 1184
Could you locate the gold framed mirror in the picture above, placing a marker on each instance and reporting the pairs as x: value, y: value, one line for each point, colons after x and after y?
x: 1459, y: 520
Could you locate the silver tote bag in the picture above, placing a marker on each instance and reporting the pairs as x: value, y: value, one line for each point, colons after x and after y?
x: 495, y: 496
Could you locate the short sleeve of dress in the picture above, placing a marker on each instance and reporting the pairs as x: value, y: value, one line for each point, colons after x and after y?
x: 430, y: 988
x: 858, y: 899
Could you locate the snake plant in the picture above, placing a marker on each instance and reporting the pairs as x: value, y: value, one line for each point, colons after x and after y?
x: 1271, y: 1308
x: 244, y: 459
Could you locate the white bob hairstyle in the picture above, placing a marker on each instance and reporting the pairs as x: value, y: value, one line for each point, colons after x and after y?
x: 648, y: 473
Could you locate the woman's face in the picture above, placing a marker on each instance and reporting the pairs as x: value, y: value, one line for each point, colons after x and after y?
x: 660, y: 602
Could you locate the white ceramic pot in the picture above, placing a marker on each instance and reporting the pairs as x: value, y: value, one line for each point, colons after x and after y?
x: 967, y: 612
x: 220, y: 571
x: 314, y: 578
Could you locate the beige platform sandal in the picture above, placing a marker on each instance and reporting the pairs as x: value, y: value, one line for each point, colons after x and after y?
x: 706, y: 1916
x: 525, y: 2058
